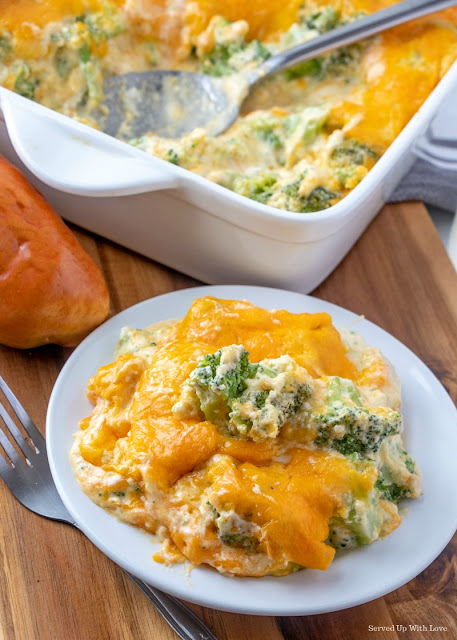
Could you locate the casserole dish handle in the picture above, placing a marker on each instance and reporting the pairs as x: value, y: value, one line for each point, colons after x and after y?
x: 72, y: 157
x: 439, y: 145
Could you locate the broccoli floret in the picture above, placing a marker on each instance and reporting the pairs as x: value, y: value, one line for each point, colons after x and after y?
x: 91, y: 73
x: 218, y: 379
x: 320, y: 198
x: 348, y: 427
x: 304, y: 127
x: 245, y: 399
x: 363, y: 521
x: 257, y: 188
x: 6, y: 48
x: 351, y: 152
x: 93, y: 78
x: 276, y: 392
x: 291, y: 190
x: 62, y: 62
x: 338, y: 61
x: 364, y: 429
x: 398, y: 476
x: 341, y: 389
x: 228, y: 56
x: 366, y: 518
x: 362, y: 524
x: 335, y: 64
x: 172, y: 156
x: 24, y: 85
x: 265, y: 129
x: 348, y: 158
x: 233, y: 530
x: 240, y: 541
x: 213, y: 510
x: 84, y: 53
x: 409, y: 463
x: 137, y: 342
x: 102, y: 26
x: 217, y: 61
x: 392, y: 492
x: 324, y: 20
x: 257, y: 51
x: 236, y: 369
x: 401, y: 457
x: 313, y: 68
x: 152, y: 54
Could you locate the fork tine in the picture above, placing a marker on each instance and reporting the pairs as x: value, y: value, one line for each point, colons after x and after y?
x: 4, y: 468
x: 10, y: 451
x: 17, y: 435
x: 24, y: 418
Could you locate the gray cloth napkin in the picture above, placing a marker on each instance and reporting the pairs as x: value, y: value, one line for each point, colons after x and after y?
x: 430, y: 184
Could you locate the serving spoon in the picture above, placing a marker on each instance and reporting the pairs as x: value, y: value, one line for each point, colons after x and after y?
x: 172, y: 103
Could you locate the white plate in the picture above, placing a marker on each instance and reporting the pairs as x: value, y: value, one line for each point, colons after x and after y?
x: 354, y: 577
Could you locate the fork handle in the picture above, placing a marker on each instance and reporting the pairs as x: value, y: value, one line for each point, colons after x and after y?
x: 181, y: 619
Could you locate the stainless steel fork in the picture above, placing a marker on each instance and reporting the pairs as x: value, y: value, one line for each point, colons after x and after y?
x: 31, y: 482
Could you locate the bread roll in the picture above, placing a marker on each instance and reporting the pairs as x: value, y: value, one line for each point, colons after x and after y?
x: 51, y: 291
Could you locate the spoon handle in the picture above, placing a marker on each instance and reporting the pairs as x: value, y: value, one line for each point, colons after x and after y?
x: 349, y: 33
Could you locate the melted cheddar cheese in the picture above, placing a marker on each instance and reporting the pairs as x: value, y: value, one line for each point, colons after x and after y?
x: 242, y: 505
x: 306, y: 136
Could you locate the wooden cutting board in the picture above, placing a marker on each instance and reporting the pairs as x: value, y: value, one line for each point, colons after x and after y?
x: 55, y: 585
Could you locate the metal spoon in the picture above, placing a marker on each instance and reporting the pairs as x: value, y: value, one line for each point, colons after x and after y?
x: 172, y: 103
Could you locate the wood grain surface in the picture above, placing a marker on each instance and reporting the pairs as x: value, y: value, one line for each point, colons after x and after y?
x: 55, y: 585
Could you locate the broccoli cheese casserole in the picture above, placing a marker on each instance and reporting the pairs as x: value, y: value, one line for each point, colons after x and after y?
x: 306, y: 136
x: 254, y: 441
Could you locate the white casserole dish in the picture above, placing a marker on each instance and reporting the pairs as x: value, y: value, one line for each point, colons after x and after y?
x: 185, y: 221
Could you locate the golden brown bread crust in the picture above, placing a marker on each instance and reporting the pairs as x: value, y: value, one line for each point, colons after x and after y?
x: 51, y: 291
